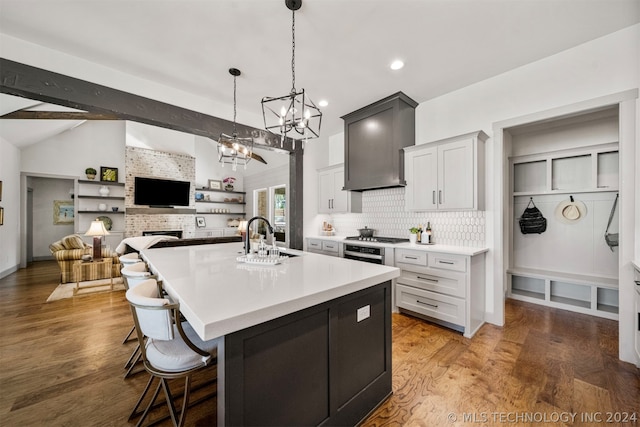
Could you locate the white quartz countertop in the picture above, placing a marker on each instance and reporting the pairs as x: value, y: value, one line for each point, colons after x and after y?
x: 446, y: 249
x: 219, y: 295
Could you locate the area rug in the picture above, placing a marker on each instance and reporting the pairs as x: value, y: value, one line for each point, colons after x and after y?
x: 65, y: 290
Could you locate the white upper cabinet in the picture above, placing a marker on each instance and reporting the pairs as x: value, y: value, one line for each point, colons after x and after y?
x: 331, y: 197
x: 446, y: 174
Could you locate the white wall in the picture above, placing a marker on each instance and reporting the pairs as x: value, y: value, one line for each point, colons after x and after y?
x: 606, y: 65
x: 92, y: 144
x: 9, y: 232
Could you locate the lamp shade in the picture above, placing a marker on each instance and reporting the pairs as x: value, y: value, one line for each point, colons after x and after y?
x: 96, y: 229
x: 242, y: 226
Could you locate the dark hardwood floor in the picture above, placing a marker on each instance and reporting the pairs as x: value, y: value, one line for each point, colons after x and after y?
x: 62, y: 365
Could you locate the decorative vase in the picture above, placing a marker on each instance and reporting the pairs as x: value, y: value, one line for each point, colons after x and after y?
x: 91, y: 176
x: 102, y: 207
x: 228, y: 187
x: 104, y: 191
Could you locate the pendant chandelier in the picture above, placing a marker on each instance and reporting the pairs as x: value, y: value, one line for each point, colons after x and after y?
x: 231, y: 149
x: 293, y: 115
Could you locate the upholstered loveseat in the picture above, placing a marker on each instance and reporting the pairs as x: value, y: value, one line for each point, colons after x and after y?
x: 70, y: 249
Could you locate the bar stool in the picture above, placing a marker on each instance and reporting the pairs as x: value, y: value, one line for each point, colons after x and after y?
x: 170, y: 348
x: 133, y: 274
x: 130, y: 258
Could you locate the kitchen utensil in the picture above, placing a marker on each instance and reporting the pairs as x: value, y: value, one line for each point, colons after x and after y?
x: 365, y: 232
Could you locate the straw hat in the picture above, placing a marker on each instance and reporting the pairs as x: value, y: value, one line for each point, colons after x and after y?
x: 570, y: 211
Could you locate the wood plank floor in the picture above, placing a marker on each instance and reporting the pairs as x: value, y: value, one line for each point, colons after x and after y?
x: 62, y: 365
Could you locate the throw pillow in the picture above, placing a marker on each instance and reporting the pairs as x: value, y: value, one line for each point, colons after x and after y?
x: 73, y: 242
x: 56, y: 246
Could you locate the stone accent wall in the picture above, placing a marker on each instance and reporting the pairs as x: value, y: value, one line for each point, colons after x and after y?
x: 158, y: 164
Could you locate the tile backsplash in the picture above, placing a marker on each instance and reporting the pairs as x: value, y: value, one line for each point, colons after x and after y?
x: 383, y: 210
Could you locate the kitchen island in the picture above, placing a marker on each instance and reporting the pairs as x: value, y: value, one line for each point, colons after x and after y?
x: 304, y: 342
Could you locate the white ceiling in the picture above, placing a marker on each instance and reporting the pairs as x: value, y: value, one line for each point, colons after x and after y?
x: 343, y: 47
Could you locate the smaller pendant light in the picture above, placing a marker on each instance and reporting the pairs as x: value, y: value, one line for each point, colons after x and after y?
x: 231, y: 149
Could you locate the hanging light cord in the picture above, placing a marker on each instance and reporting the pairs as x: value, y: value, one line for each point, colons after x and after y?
x: 293, y: 51
x: 235, y: 132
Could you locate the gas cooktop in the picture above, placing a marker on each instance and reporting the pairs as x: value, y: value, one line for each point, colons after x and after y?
x: 378, y: 239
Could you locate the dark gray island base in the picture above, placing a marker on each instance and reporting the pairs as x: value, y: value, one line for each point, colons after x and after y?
x: 327, y: 365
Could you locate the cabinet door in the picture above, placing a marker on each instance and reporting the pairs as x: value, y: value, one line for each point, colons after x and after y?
x: 325, y: 191
x: 455, y: 175
x: 340, y: 203
x: 422, y: 179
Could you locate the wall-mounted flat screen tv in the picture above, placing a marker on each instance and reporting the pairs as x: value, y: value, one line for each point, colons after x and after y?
x: 157, y: 192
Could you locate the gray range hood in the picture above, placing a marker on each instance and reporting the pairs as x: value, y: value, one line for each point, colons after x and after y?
x: 374, y: 138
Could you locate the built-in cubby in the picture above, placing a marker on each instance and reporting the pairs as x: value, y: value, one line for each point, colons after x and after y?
x: 102, y: 200
x: 585, y: 294
x: 569, y: 265
x: 588, y: 169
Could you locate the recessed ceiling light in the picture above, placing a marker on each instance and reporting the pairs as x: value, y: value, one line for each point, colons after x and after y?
x: 397, y: 64
x: 323, y: 103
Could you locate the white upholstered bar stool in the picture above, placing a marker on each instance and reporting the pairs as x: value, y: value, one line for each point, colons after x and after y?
x: 170, y: 348
x: 130, y: 258
x: 132, y: 275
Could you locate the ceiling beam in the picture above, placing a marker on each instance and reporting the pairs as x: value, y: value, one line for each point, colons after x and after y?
x: 46, y: 86
x: 57, y: 115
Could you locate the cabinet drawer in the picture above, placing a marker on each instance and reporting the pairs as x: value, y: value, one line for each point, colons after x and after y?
x: 453, y: 285
x: 411, y: 257
x: 430, y: 304
x: 314, y: 244
x: 448, y: 262
x: 330, y: 246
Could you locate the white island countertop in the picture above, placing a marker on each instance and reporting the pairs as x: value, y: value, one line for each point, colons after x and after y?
x: 219, y: 295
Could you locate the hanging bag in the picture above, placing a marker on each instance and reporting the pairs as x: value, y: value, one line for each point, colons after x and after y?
x: 532, y: 220
x: 611, y: 238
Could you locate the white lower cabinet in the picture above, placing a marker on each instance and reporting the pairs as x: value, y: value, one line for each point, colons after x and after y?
x: 324, y: 247
x: 448, y: 289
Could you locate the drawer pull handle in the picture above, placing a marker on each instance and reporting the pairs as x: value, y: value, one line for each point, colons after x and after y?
x: 426, y: 303
x: 410, y: 257
x: 427, y: 279
x: 446, y: 262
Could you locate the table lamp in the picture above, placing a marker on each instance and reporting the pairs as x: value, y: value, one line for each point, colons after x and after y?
x: 97, y: 230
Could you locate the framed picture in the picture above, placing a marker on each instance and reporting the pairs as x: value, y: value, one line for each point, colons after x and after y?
x: 200, y: 222
x: 215, y: 184
x: 1, y: 216
x: 62, y: 212
x: 108, y: 174
x: 0, y: 191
